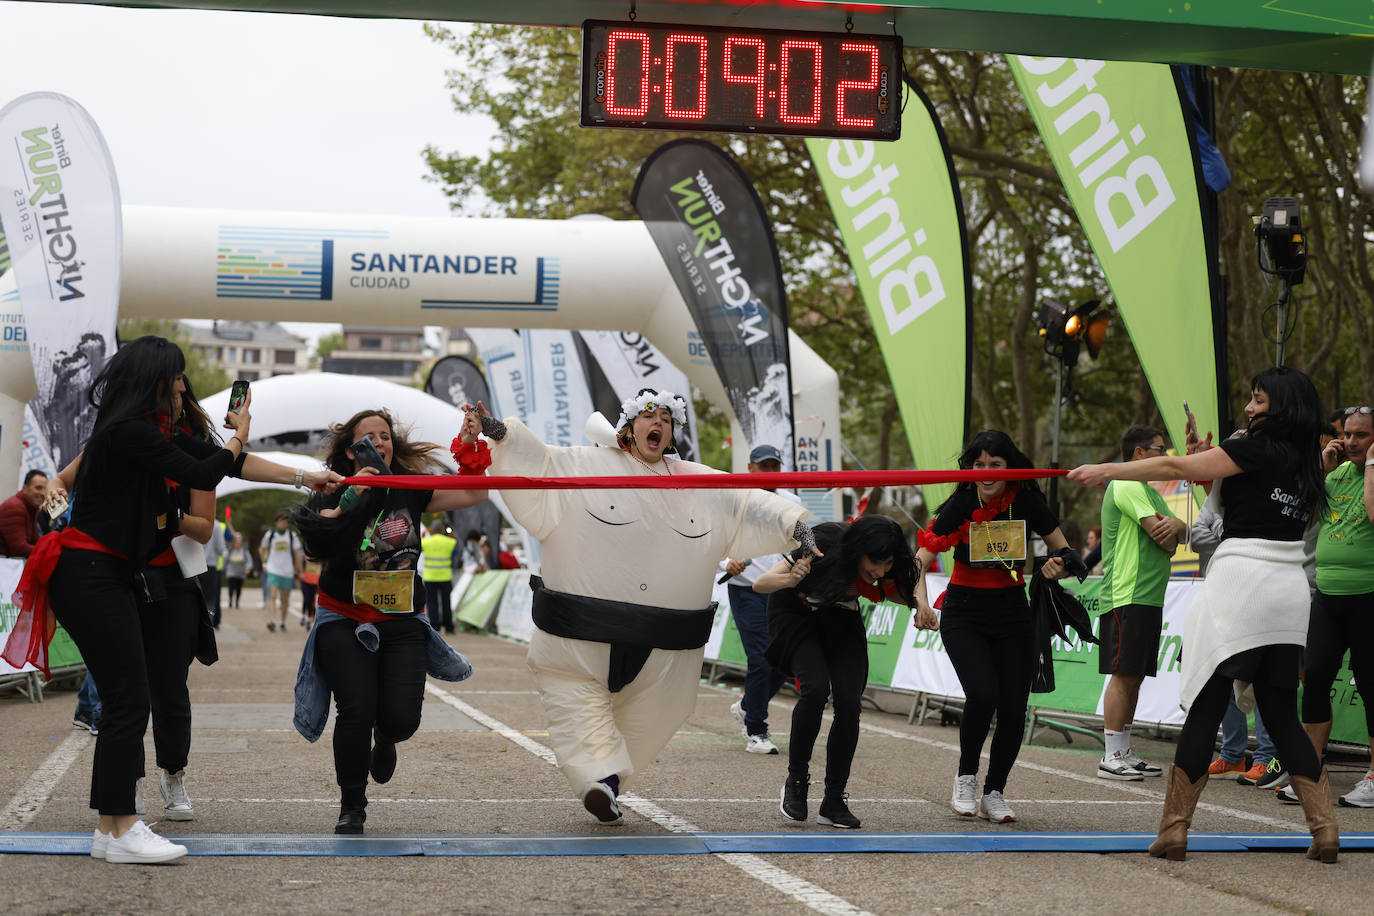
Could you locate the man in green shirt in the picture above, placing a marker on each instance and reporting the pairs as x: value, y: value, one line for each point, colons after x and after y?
x: 1139, y: 535
x: 438, y: 546
x: 1343, y: 608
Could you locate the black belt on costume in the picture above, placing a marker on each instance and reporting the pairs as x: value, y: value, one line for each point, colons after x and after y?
x: 632, y: 630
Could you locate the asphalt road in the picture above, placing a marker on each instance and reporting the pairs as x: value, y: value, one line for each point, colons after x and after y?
x: 479, y: 766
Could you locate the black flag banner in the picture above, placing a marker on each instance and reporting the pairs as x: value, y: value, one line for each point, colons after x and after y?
x: 709, y: 225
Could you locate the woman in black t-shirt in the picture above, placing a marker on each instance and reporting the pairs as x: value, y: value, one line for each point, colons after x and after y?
x: 1248, y: 622
x: 372, y: 642
x: 986, y: 619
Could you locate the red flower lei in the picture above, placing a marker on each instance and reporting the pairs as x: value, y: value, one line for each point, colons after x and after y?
x: 472, y: 457
x: 936, y: 543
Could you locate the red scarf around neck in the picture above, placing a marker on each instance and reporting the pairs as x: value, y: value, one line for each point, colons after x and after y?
x: 938, y: 544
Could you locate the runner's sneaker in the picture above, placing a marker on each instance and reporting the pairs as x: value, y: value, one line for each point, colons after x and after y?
x: 84, y: 720
x: 272, y: 626
x: 140, y: 846
x: 176, y: 804
x: 1143, y: 766
x: 1286, y: 795
x: 99, y: 842
x: 964, y: 801
x: 793, y: 806
x: 993, y: 807
x: 1221, y: 766
x: 1362, y: 796
x: 1275, y: 775
x: 835, y: 813
x: 599, y: 799
x: 760, y: 744
x: 1253, y: 775
x: 1117, y: 767
x: 737, y: 710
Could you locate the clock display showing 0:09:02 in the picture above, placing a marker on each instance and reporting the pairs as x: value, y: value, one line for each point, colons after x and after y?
x: 766, y: 81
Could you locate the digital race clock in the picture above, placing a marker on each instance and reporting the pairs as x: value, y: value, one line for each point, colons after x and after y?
x: 765, y: 81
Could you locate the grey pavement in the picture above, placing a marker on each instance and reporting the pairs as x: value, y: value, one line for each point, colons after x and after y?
x: 478, y: 767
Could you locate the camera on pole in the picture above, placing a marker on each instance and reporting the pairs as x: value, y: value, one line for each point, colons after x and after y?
x: 1281, y: 247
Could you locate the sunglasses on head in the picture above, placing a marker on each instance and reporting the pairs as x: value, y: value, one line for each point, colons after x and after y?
x: 1363, y: 410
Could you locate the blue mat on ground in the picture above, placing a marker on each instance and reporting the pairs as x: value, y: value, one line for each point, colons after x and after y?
x: 657, y: 844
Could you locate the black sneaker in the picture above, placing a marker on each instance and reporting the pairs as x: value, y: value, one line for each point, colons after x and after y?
x: 600, y: 801
x: 383, y: 764
x: 84, y: 720
x: 1273, y: 777
x: 794, y: 798
x: 351, y: 819
x: 835, y: 813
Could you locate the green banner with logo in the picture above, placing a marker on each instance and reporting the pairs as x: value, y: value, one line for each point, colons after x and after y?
x: 1124, y: 150
x: 482, y: 597
x: 902, y: 219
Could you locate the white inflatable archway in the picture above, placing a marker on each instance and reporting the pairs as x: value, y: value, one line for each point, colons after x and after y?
x: 377, y: 270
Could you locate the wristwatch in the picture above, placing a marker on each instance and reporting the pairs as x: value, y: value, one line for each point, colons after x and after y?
x: 300, y: 477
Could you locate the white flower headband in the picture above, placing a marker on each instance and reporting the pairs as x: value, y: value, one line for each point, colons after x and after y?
x: 650, y: 402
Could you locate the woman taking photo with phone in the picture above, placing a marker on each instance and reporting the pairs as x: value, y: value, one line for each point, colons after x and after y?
x: 819, y: 639
x: 372, y: 645
x: 1249, y: 621
x: 985, y: 619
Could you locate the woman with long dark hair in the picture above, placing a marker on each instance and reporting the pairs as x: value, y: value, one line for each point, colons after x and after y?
x: 985, y: 621
x: 819, y: 639
x: 372, y: 645
x: 1249, y: 620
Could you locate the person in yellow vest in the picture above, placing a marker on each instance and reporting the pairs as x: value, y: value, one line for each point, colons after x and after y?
x: 438, y: 546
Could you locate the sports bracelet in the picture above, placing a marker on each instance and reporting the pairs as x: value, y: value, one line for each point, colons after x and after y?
x: 300, y: 476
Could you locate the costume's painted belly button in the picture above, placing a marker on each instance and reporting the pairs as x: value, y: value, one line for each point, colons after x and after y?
x: 643, y: 586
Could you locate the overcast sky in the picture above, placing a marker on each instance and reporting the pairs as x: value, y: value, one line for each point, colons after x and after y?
x: 248, y: 110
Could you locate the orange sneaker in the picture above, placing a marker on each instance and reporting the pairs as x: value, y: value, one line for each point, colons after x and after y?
x: 1253, y: 775
x: 1221, y: 767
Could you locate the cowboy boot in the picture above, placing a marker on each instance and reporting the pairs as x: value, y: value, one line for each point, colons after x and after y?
x: 1321, y: 820
x: 1179, y: 801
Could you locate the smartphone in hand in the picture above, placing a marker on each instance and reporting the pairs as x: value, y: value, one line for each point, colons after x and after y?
x: 367, y: 455
x: 1190, y: 425
x: 238, y: 394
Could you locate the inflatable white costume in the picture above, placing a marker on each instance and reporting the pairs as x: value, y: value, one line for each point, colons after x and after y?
x: 624, y: 607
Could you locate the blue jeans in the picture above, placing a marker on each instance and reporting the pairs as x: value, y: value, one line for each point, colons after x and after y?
x: 1235, y: 734
x: 88, y: 699
x: 761, y: 682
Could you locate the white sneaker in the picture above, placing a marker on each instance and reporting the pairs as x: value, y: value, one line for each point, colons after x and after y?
x: 99, y: 841
x: 176, y: 804
x: 737, y: 710
x: 1141, y: 765
x: 760, y: 744
x: 140, y: 807
x: 1118, y: 766
x: 140, y: 846
x: 1362, y: 796
x: 993, y: 807
x: 964, y: 801
x: 1287, y: 795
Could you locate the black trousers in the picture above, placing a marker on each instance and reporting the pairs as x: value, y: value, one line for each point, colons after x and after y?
x: 1338, y: 623
x: 380, y: 690
x: 93, y: 597
x: 235, y: 590
x: 1273, y: 671
x: 169, y: 645
x: 438, y: 604
x: 833, y: 662
x: 993, y: 653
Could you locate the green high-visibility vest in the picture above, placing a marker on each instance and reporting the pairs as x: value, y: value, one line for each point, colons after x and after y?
x: 438, y: 550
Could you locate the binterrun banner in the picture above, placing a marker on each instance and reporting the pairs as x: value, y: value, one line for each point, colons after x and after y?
x: 1118, y: 136
x: 902, y: 219
x: 630, y: 363
x: 60, y: 208
x: 709, y: 225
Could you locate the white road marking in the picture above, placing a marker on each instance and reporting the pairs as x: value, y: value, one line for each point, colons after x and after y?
x: 34, y: 794
x: 804, y: 892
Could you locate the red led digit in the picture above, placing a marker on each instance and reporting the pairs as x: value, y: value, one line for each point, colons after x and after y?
x: 755, y: 78
x: 869, y: 85
x: 670, y: 77
x: 641, y: 108
x: 785, y: 84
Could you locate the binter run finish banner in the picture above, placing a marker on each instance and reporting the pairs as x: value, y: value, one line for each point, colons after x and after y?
x: 902, y: 219
x: 1125, y: 152
x: 709, y: 225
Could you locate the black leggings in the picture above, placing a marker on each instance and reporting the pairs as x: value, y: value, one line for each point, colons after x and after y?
x: 831, y: 663
x: 382, y: 690
x: 170, y: 629
x: 1338, y: 623
x: 1276, y: 696
x: 993, y: 652
x: 235, y: 590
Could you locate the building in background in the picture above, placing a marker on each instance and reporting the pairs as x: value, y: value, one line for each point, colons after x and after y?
x: 250, y: 349
x: 391, y: 354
